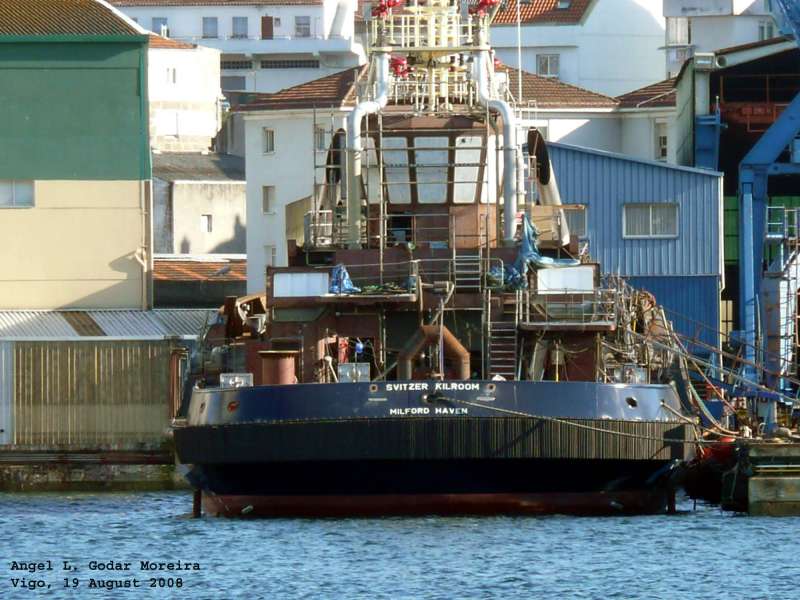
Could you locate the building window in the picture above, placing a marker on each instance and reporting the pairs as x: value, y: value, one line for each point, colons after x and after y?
x: 16, y: 193
x: 206, y: 223
x: 233, y: 84
x: 547, y: 65
x: 290, y: 64
x: 239, y: 28
x: 160, y: 26
x: 302, y: 27
x: 319, y: 138
x: 268, y: 140
x: 767, y: 5
x: 576, y: 222
x: 661, y: 140
x: 172, y: 75
x: 650, y: 220
x: 210, y: 28
x: 270, y: 256
x: 563, y: 4
x: 678, y: 31
x: 236, y: 64
x: 766, y: 30
x: 268, y: 199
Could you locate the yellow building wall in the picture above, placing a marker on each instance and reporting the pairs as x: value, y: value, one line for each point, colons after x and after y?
x: 77, y: 247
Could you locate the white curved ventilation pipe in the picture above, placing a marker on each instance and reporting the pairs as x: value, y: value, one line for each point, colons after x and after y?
x: 355, y: 148
x: 512, y: 156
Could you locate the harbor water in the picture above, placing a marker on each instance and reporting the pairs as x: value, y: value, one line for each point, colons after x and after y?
x: 699, y: 553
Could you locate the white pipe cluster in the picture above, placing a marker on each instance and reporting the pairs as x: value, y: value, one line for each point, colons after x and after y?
x: 512, y: 156
x: 355, y: 148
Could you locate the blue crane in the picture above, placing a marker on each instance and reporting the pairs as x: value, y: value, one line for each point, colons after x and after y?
x: 754, y: 233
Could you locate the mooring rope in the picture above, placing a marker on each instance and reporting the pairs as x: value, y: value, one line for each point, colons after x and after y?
x: 573, y: 424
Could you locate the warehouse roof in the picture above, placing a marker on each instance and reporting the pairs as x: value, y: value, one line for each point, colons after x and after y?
x: 63, y: 18
x: 103, y: 324
x: 196, y: 166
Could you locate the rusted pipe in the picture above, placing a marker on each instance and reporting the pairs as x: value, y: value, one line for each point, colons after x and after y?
x: 428, y: 335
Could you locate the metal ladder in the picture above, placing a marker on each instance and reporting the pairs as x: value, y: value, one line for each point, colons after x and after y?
x: 467, y: 270
x: 502, y: 343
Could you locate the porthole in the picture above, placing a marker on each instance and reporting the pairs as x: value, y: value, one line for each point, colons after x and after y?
x: 491, y: 387
x: 631, y: 401
x: 373, y: 388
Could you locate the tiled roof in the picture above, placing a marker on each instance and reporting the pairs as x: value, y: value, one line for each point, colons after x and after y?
x: 542, y: 11
x: 657, y: 95
x: 195, y: 269
x: 161, y: 43
x: 62, y: 17
x: 194, y: 166
x: 549, y: 92
x: 339, y: 90
x: 332, y: 90
x: 128, y: 3
x: 129, y: 324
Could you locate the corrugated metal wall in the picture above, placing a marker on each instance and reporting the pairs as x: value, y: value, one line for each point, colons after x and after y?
x: 691, y: 303
x: 6, y: 392
x: 90, y: 394
x: 605, y: 182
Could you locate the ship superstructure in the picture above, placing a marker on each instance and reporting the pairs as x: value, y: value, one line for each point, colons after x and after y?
x: 439, y: 342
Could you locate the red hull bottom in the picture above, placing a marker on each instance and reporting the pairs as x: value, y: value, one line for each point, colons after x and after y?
x: 595, y: 503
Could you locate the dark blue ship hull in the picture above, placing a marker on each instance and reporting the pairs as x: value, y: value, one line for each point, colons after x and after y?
x: 449, y: 447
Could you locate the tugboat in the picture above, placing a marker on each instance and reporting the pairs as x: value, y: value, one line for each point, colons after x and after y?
x: 438, y: 342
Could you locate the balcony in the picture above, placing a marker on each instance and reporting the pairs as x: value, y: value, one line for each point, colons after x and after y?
x: 279, y: 45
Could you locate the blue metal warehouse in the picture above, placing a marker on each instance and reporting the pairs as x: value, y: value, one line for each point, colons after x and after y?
x: 658, y: 225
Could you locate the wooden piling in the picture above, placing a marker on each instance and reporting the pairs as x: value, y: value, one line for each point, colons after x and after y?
x: 197, y: 504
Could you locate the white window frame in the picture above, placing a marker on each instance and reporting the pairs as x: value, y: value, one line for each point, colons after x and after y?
x: 14, y: 184
x: 585, y: 234
x: 297, y: 30
x: 267, y: 199
x: 206, y: 223
x: 661, y: 130
x: 270, y: 255
x: 651, y: 235
x: 548, y: 59
x: 267, y: 140
x: 766, y: 29
x: 215, y: 21
x: 234, y: 35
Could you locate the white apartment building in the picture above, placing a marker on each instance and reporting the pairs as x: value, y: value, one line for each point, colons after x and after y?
x: 607, y: 46
x: 266, y: 45
x: 185, y: 98
x: 709, y: 25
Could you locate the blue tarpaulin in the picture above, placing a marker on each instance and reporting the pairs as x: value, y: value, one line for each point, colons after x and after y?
x: 341, y: 282
x: 515, y: 276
